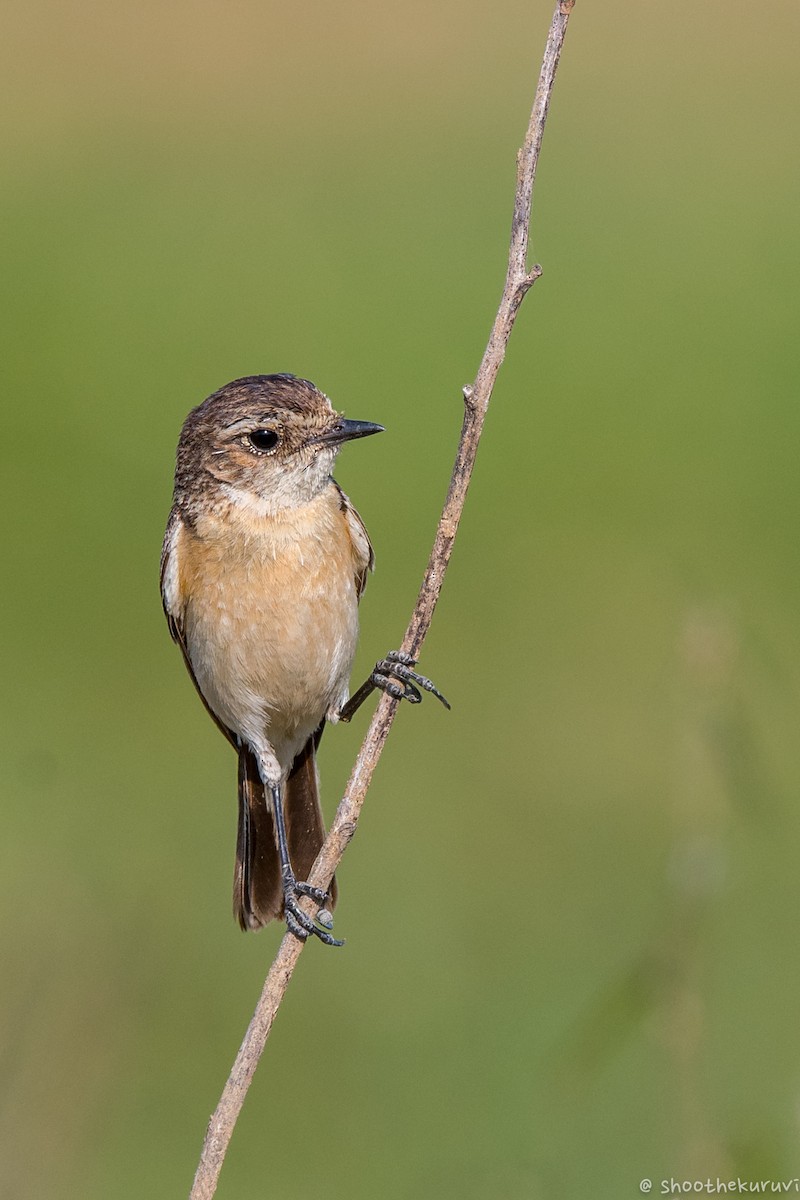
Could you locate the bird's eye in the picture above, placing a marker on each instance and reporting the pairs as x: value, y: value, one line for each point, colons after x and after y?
x: 263, y: 439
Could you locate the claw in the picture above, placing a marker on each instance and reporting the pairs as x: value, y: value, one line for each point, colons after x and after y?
x: 301, y: 925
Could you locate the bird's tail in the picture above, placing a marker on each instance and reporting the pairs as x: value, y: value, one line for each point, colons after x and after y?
x: 257, y: 880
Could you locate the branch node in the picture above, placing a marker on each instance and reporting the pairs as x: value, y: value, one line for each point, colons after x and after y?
x: 468, y: 392
x: 347, y: 830
x: 534, y: 274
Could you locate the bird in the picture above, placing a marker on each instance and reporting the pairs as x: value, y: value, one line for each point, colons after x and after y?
x: 263, y: 565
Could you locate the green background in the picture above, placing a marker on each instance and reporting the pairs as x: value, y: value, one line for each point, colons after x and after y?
x: 572, y: 906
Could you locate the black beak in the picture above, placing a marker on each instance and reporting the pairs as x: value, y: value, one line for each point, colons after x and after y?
x: 345, y: 431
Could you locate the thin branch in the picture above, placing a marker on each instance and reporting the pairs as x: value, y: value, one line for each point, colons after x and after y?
x: 519, y: 279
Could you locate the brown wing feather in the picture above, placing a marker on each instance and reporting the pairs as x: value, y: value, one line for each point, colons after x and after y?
x: 362, y: 547
x: 173, y: 611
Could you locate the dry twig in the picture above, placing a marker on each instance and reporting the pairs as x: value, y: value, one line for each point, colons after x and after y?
x: 476, y: 402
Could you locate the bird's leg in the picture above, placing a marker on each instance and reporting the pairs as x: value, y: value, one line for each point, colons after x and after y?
x: 394, y: 675
x: 297, y: 922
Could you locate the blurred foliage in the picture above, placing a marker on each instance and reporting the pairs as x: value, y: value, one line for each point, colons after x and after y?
x: 571, y: 908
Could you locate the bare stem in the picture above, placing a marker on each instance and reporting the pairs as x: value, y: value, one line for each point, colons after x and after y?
x: 519, y: 279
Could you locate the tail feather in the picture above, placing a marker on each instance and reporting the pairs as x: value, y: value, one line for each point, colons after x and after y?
x: 257, y: 881
x: 305, y: 828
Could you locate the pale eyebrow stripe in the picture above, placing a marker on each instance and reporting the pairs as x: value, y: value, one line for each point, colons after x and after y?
x: 241, y: 423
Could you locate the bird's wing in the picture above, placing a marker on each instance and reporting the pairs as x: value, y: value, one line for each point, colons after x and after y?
x: 174, y: 607
x: 362, y: 547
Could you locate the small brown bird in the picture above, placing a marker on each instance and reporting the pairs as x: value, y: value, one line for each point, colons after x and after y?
x: 263, y: 565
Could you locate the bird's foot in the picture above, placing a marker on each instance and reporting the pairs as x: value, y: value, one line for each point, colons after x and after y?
x: 394, y: 675
x: 299, y: 922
